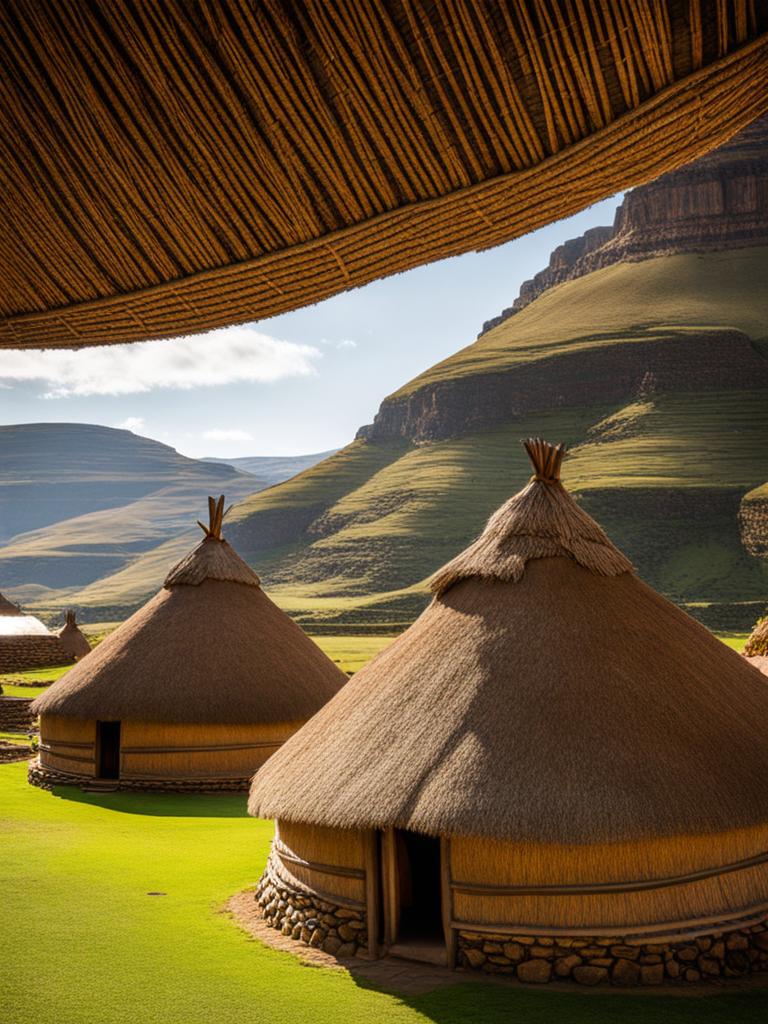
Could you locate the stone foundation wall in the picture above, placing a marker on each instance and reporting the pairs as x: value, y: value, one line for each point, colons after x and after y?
x: 596, y: 961
x: 340, y: 931
x: 47, y: 778
x: 18, y: 653
x: 15, y: 714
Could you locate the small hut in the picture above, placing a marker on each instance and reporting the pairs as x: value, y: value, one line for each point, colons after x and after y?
x: 553, y: 773
x: 193, y: 692
x: 72, y: 639
x: 756, y: 648
x: 26, y: 643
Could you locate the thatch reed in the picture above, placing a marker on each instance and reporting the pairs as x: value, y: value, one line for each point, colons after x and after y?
x: 757, y: 645
x: 593, y: 760
x: 207, y: 679
x: 316, y: 147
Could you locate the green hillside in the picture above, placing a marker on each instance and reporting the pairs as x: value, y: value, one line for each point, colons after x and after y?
x: 655, y: 373
x: 350, y: 543
x: 625, y: 302
x: 80, y: 502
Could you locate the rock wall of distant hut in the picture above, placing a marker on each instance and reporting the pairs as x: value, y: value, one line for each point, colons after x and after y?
x: 18, y: 653
x: 15, y: 714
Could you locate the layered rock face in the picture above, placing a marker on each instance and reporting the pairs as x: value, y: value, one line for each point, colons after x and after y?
x: 717, y: 202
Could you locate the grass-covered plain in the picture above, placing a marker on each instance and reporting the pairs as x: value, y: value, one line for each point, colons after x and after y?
x: 87, y: 943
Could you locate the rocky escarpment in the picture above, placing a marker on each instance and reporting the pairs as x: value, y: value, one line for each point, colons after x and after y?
x: 715, y: 203
x: 599, y: 375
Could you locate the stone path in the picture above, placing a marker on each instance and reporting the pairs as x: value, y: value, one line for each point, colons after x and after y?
x: 409, y: 978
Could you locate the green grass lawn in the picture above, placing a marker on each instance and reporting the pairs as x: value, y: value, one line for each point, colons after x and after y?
x: 87, y: 943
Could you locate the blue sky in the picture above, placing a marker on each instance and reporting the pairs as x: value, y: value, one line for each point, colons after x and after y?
x: 297, y: 383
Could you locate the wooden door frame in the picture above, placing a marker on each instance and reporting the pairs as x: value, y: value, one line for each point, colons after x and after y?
x: 390, y: 892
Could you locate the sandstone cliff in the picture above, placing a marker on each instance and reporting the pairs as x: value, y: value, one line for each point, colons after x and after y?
x: 717, y: 202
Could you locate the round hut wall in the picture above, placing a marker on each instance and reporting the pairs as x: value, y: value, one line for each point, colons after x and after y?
x: 661, y: 906
x: 155, y: 755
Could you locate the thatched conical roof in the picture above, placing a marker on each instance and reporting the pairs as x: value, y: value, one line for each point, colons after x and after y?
x: 756, y: 648
x: 546, y: 694
x: 15, y: 622
x: 172, y: 167
x: 8, y: 607
x: 74, y: 642
x: 209, y: 647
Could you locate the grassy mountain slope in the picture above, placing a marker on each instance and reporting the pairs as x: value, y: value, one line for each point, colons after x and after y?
x: 626, y: 302
x: 79, y: 502
x: 351, y: 542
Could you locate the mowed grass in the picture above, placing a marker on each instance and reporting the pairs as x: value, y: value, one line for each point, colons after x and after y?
x: 87, y: 943
x: 352, y: 652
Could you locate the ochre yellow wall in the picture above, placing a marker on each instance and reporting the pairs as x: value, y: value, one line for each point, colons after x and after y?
x: 153, y: 751
x: 322, y: 847
x: 493, y: 863
x: 68, y: 745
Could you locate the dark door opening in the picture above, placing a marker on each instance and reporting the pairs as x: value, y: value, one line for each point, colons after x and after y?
x: 108, y: 750
x: 418, y: 869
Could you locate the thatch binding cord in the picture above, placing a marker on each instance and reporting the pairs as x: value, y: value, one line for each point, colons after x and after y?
x: 541, y: 521
x: 213, y: 558
x: 175, y: 167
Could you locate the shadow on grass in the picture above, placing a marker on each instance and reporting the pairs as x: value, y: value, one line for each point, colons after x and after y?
x: 486, y: 1004
x: 161, y: 805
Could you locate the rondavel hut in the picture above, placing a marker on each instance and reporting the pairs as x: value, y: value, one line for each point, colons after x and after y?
x: 27, y: 643
x: 554, y: 773
x: 72, y: 639
x: 193, y: 692
x: 756, y: 647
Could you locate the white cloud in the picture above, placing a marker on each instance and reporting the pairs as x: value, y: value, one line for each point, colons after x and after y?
x: 133, y: 423
x: 344, y: 343
x: 227, y: 356
x: 226, y: 435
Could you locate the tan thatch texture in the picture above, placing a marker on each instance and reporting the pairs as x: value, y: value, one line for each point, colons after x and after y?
x: 570, y: 706
x: 210, y: 647
x: 73, y: 641
x: 171, y: 167
x: 8, y: 608
x: 757, y: 645
x: 542, y: 521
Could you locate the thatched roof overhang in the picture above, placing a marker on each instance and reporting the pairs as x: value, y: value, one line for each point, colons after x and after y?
x: 174, y: 167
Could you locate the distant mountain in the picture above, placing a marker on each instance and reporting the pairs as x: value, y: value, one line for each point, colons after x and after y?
x: 273, y: 469
x: 80, y: 502
x: 643, y: 347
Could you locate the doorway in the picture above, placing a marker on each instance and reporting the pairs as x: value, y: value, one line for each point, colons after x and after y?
x: 108, y: 750
x: 418, y: 887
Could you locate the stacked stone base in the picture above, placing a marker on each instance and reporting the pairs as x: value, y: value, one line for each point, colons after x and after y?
x: 598, y: 961
x: 47, y: 778
x: 340, y: 931
x: 16, y: 714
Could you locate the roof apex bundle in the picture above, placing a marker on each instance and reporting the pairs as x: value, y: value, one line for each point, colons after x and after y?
x: 541, y: 521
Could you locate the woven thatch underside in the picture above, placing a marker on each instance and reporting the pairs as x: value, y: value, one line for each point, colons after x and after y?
x: 215, y: 652
x: 546, y: 710
x: 174, y: 167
